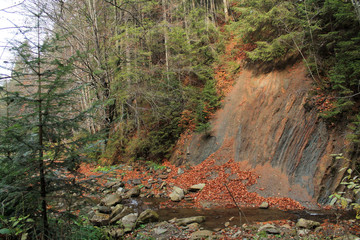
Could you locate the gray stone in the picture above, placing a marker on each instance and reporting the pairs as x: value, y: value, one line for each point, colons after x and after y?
x: 303, y: 232
x: 129, y: 222
x: 307, y: 224
x: 197, y: 187
x: 194, y: 226
x: 202, y: 234
x: 264, y: 205
x: 100, y: 219
x: 104, y: 209
x: 111, y: 200
x: 180, y: 171
x: 120, y: 190
x: 117, y: 186
x: 134, y: 192
x: 147, y: 216
x: 125, y: 211
x: 269, y: 228
x: 136, y: 181
x: 116, y: 210
x: 187, y: 221
x: 159, y: 230
x: 109, y: 184
x: 177, y: 194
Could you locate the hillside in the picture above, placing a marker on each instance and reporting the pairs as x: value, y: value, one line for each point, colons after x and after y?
x: 264, y: 125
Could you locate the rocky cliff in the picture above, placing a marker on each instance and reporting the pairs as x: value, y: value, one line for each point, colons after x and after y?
x: 264, y: 125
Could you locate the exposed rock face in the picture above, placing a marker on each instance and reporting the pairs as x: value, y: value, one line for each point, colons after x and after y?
x: 265, y: 126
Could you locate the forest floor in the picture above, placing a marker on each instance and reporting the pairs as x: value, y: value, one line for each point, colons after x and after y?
x: 227, y: 192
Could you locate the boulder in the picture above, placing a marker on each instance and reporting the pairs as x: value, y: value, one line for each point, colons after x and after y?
x: 129, y: 222
x: 125, y: 211
x: 134, y: 192
x: 194, y: 226
x: 202, y: 234
x: 120, y: 191
x: 104, y: 209
x: 264, y: 205
x: 177, y: 194
x: 111, y: 200
x: 116, y: 210
x: 269, y: 228
x: 307, y: 224
x: 100, y: 219
x: 197, y: 187
x: 187, y: 221
x: 147, y: 216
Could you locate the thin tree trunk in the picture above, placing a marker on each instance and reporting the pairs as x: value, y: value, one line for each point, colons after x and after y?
x: 226, y: 12
x: 166, y: 39
x: 40, y: 133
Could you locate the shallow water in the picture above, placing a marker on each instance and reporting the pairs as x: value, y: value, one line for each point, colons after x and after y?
x: 217, y: 217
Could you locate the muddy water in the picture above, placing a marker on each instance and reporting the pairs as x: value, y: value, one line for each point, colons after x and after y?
x: 217, y: 217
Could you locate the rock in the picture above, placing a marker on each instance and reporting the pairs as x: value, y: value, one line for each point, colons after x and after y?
x: 307, y: 224
x: 187, y: 221
x: 348, y: 237
x: 116, y: 210
x: 264, y: 205
x: 129, y: 222
x: 159, y: 230
x: 194, y: 226
x: 116, y: 233
x: 134, y: 192
x: 104, y: 209
x: 111, y: 200
x: 163, y: 185
x: 109, y: 184
x: 180, y: 171
x: 202, y: 234
x: 117, y: 186
x: 120, y: 191
x: 269, y: 228
x: 125, y: 211
x: 227, y: 224
x: 100, y: 219
x: 177, y: 194
x: 147, y: 216
x: 163, y: 176
x: 136, y: 181
x: 303, y: 232
x: 168, y: 170
x: 197, y: 187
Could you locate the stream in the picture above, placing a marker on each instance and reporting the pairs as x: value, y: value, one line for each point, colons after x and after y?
x: 217, y: 217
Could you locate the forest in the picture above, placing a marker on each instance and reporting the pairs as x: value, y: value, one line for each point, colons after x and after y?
x: 104, y: 83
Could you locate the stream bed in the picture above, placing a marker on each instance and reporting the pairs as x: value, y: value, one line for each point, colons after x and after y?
x: 217, y: 217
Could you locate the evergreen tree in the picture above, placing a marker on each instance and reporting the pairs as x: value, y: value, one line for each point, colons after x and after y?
x: 39, y: 151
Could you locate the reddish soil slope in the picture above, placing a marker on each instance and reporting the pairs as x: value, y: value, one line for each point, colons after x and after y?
x: 263, y: 124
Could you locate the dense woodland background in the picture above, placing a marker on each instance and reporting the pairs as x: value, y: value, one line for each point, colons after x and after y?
x: 112, y: 81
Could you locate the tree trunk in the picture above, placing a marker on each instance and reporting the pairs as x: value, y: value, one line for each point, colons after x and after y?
x: 166, y: 39
x: 226, y: 12
x: 40, y: 140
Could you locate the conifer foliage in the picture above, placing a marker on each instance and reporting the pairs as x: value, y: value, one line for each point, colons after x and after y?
x: 38, y: 148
